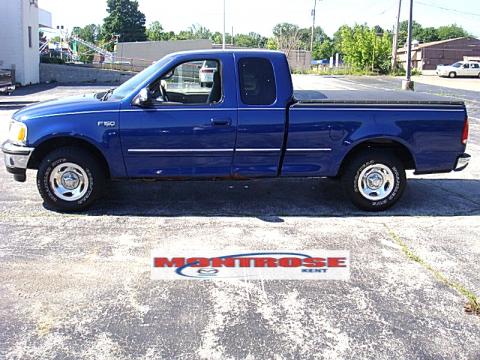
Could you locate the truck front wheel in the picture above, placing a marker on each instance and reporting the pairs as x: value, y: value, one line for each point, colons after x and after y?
x: 70, y: 179
x: 374, y: 180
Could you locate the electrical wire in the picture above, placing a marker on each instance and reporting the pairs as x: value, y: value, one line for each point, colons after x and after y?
x: 448, y: 9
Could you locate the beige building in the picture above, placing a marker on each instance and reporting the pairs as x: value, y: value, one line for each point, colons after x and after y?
x: 144, y: 53
x: 138, y: 55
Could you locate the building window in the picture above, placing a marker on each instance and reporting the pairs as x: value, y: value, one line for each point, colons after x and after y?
x: 30, y: 44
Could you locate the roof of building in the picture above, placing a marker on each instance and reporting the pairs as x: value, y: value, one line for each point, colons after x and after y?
x: 434, y: 43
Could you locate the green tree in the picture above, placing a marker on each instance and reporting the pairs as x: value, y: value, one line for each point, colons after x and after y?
x: 323, y: 50
x: 155, y: 32
x: 90, y: 33
x: 451, y: 32
x: 305, y: 36
x: 124, y: 19
x: 429, y: 34
x: 287, y: 37
x: 250, y: 40
x: 364, y: 48
x: 217, y: 38
x: 272, y: 44
x: 417, y: 32
x: 337, y: 38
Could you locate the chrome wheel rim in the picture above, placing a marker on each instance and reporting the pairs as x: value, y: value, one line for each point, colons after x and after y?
x: 376, y: 182
x: 69, y: 181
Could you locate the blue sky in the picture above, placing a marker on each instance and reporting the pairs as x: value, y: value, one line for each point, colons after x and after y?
x: 261, y: 15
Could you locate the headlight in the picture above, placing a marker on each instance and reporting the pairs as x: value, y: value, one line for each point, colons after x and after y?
x: 17, y: 133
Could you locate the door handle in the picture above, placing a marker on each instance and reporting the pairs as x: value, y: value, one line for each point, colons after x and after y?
x: 221, y: 121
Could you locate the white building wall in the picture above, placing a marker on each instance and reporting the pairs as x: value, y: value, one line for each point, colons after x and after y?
x: 44, y: 18
x: 15, y: 52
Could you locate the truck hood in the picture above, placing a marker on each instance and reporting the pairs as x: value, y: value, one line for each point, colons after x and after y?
x: 65, y: 106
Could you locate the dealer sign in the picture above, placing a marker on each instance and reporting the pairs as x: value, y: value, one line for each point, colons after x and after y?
x: 253, y: 265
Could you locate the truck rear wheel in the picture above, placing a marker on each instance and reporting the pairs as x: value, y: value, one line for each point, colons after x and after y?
x: 70, y: 179
x: 374, y: 180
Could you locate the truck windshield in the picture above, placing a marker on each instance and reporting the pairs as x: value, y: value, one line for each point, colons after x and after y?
x: 130, y: 85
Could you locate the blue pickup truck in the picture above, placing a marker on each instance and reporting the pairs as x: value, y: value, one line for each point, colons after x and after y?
x: 248, y: 124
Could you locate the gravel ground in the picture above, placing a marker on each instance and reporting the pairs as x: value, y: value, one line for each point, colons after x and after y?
x: 78, y: 286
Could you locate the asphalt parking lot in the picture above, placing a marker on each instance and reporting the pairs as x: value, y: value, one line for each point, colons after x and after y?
x: 78, y: 286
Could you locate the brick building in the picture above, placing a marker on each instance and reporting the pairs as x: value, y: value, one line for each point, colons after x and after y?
x: 428, y: 55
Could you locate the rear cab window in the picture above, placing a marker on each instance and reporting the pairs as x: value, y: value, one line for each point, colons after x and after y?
x: 257, y: 81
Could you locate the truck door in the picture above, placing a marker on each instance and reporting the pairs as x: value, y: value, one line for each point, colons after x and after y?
x: 189, y: 130
x: 261, y: 118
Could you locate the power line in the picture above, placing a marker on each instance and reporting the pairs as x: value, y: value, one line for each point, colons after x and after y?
x: 448, y: 9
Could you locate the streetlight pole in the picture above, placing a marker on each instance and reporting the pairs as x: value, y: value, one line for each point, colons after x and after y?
x: 313, y: 24
x: 224, y: 25
x: 408, y: 83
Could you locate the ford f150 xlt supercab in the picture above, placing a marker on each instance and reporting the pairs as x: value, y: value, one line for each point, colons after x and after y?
x: 162, y: 124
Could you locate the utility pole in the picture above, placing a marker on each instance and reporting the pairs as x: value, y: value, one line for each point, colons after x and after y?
x: 224, y: 25
x: 395, y: 37
x: 313, y: 24
x: 408, y: 84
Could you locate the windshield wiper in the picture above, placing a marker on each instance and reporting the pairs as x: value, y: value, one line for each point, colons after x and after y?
x: 107, y: 94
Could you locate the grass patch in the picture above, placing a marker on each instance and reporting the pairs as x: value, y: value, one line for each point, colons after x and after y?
x: 325, y: 71
x: 473, y: 302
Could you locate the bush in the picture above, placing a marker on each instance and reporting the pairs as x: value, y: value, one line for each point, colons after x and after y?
x: 51, y: 60
x: 403, y: 72
x: 342, y: 71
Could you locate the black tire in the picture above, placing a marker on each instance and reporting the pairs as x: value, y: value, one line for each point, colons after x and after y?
x: 86, y: 161
x: 452, y: 75
x: 202, y: 84
x: 355, y: 167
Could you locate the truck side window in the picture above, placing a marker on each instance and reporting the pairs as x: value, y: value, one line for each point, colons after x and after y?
x: 190, y: 83
x: 257, y: 81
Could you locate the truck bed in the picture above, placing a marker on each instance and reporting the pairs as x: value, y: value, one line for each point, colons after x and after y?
x: 375, y: 98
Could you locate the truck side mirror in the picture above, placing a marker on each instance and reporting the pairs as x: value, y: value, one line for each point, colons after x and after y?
x: 142, y: 98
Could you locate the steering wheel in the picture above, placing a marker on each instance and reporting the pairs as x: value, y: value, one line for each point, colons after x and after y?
x: 164, y: 93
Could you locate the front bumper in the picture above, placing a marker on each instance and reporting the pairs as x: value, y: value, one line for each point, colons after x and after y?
x: 16, y: 159
x: 8, y: 89
x: 462, y: 162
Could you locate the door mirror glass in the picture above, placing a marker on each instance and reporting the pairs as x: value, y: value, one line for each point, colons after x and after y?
x: 142, y: 98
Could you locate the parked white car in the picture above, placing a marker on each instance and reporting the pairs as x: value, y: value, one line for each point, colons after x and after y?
x: 461, y: 68
x: 206, y: 72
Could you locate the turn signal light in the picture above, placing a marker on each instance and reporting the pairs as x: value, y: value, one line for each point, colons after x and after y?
x: 22, y: 134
